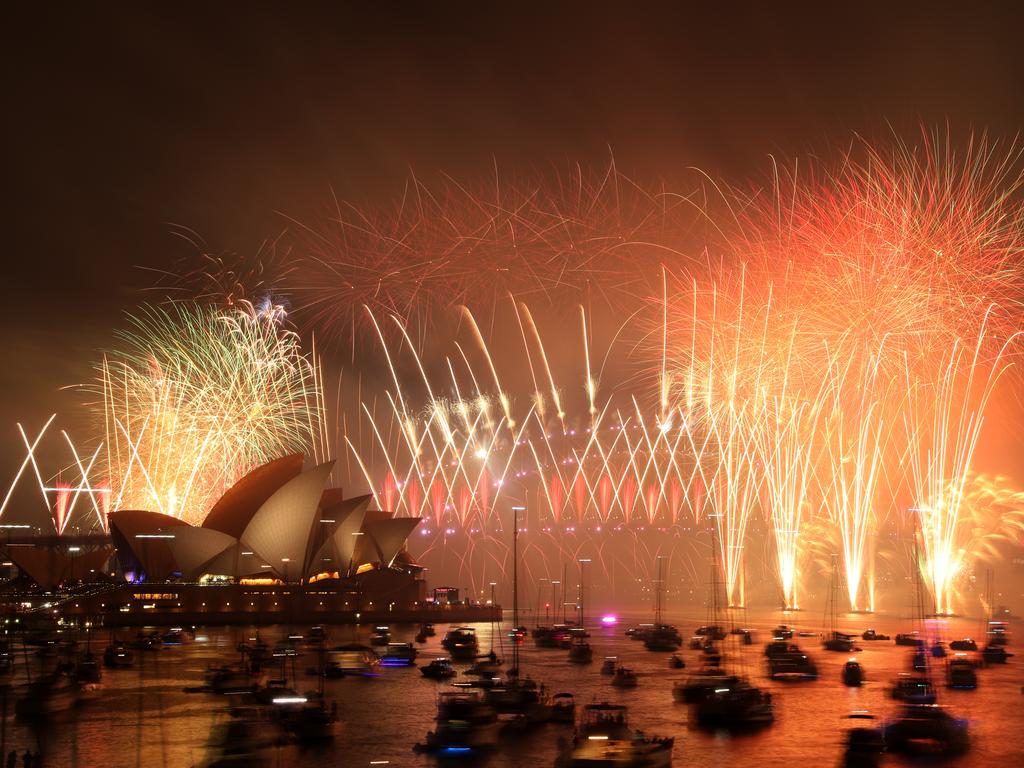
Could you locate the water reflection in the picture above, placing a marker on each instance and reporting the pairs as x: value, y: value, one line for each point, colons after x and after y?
x: 162, y: 710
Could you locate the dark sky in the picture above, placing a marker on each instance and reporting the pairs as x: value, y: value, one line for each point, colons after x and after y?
x: 121, y: 119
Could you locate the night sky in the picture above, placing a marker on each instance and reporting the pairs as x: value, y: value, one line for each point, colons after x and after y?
x: 124, y: 122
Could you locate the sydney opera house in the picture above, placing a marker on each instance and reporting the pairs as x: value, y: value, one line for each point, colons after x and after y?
x: 279, y: 544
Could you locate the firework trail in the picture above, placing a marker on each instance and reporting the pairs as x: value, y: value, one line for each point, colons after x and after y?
x: 195, y: 397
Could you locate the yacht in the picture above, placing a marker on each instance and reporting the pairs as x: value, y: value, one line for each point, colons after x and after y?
x: 311, y: 723
x: 675, y: 661
x: 792, y: 665
x: 398, y: 655
x: 928, y: 729
x: 88, y: 670
x: 964, y: 644
x: 354, y: 659
x: 381, y: 636
x: 439, y: 669
x: 47, y: 696
x: 605, y: 740
x: 624, y: 678
x: 853, y: 673
x: 711, y: 631
x: 870, y: 634
x: 580, y: 651
x: 995, y: 654
x: 466, y: 725
x: 486, y: 666
x: 739, y: 705
x: 664, y: 637
x: 461, y: 643
x: 865, y: 742
x: 782, y: 632
x: 960, y: 672
x: 908, y: 638
x: 515, y: 696
x: 913, y: 689
x: 563, y: 708
x: 840, y: 641
x: 998, y: 633
x: 118, y: 655
x: 609, y: 665
x: 701, y: 684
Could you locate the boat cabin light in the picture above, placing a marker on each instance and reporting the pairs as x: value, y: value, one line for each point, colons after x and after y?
x: 721, y: 690
x: 290, y: 700
x: 598, y: 737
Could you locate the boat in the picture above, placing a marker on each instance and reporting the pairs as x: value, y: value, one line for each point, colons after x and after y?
x: 926, y: 729
x: 853, y: 673
x: 960, y: 673
x: 118, y: 655
x: 461, y: 643
x: 580, y: 651
x: 354, y: 659
x: 782, y: 632
x: 88, y: 670
x: 313, y: 722
x: 486, y: 666
x: 938, y: 650
x: 675, y: 661
x: 736, y: 706
x: 465, y: 725
x: 640, y: 632
x: 517, y: 696
x: 563, y: 708
x: 438, y: 669
x: 865, y: 742
x: 870, y: 634
x: 381, y: 636
x: 238, y: 739
x: 175, y: 636
x: 624, y: 678
x: 520, y: 697
x: 662, y: 637
x: 556, y: 636
x: 604, y: 738
x: 780, y: 648
x: 711, y: 631
x: 701, y: 684
x: 792, y: 665
x: 609, y: 665
x: 147, y: 642
x: 964, y: 644
x: 913, y: 689
x: 420, y: 637
x: 908, y: 638
x: 399, y: 655
x: 998, y: 633
x: 427, y: 629
x: 995, y: 654
x: 47, y: 696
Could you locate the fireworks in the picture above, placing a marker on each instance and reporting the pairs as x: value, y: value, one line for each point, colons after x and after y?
x: 818, y: 357
x: 194, y: 398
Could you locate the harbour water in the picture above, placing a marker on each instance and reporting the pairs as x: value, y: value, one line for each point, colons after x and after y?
x: 142, y: 716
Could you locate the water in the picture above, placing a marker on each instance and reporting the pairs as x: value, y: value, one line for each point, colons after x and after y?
x: 144, y: 718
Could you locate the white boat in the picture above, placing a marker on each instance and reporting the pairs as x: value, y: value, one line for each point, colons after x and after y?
x: 466, y: 724
x: 605, y: 740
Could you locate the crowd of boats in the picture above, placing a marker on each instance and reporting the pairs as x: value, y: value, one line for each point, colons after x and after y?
x: 720, y: 693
